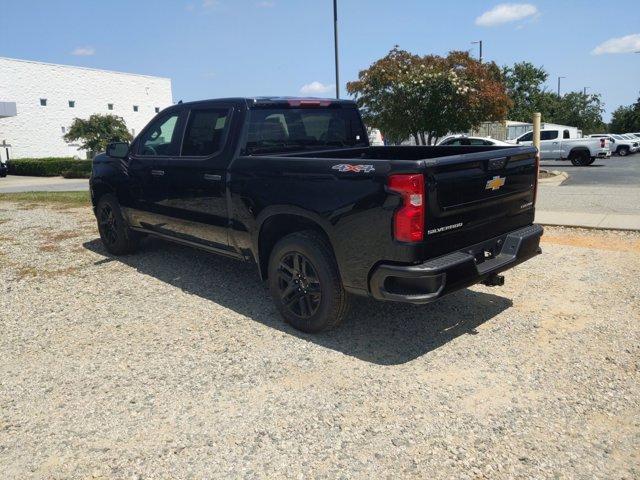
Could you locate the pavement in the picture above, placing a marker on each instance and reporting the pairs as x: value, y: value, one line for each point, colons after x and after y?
x: 605, y: 195
x: 14, y: 183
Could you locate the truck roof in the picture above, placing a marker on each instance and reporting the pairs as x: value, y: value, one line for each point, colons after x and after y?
x: 275, y: 100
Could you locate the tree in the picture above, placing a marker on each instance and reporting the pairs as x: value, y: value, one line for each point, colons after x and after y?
x: 626, y: 118
x: 407, y: 95
x: 97, y: 132
x: 580, y: 110
x: 525, y: 86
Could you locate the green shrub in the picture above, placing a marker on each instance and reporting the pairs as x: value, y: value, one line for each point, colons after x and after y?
x: 50, y: 167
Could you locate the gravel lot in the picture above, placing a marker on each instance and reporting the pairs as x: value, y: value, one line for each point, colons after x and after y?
x: 173, y: 363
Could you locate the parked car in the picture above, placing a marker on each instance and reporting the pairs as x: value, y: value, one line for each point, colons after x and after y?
x: 468, y: 141
x: 619, y: 145
x: 293, y: 185
x: 635, y: 146
x: 3, y: 169
x: 556, y: 144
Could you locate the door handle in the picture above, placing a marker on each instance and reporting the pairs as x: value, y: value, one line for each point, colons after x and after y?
x: 157, y: 173
x: 212, y: 177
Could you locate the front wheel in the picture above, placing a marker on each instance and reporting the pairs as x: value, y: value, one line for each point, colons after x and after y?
x: 305, y: 283
x: 115, y: 234
x: 623, y: 152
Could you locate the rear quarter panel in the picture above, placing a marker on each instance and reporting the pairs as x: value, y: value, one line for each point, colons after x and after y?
x: 354, y: 209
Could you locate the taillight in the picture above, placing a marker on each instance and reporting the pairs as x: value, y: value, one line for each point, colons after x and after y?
x: 408, y: 220
x: 602, y: 143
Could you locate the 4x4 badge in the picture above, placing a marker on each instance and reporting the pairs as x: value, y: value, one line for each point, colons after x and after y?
x: 347, y: 167
x: 495, y: 183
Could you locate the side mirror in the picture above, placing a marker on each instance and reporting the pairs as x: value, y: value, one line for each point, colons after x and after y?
x: 118, y: 149
x: 518, y: 141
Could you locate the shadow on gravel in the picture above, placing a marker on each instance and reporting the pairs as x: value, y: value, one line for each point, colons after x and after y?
x: 377, y: 332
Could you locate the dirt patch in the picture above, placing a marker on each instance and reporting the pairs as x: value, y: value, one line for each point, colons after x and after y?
x: 50, y: 235
x: 25, y: 272
x: 595, y: 241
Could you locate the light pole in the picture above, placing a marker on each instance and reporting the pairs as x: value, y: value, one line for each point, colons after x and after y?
x: 584, y: 91
x: 559, y: 78
x: 335, y: 44
x: 479, y: 42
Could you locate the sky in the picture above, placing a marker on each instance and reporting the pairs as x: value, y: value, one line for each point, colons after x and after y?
x: 224, y: 48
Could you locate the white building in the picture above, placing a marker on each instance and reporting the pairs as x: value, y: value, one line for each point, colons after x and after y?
x: 38, y: 102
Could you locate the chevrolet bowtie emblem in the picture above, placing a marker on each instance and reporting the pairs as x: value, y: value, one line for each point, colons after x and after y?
x: 495, y: 183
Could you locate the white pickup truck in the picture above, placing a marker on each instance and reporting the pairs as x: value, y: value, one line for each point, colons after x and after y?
x: 556, y: 144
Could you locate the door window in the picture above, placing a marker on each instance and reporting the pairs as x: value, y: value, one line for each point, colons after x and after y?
x: 161, y: 137
x: 205, y: 132
x: 565, y: 134
x: 527, y: 137
x: 548, y: 135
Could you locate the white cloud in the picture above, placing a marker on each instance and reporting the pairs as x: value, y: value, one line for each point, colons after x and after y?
x: 626, y: 44
x: 505, y: 13
x: 266, y: 4
x: 315, y: 88
x: 84, y: 51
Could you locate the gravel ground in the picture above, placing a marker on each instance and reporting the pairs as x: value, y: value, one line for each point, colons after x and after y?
x: 173, y: 363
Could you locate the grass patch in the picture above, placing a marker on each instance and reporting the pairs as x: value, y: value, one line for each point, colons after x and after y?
x: 71, y: 199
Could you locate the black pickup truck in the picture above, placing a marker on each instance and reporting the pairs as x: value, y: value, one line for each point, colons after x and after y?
x: 293, y: 185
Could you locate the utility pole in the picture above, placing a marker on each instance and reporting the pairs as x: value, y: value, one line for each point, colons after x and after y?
x: 559, y: 78
x: 479, y: 43
x: 335, y: 44
x: 584, y: 91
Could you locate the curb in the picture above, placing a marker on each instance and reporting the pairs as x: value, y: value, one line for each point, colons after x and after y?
x: 594, y: 221
x: 556, y: 180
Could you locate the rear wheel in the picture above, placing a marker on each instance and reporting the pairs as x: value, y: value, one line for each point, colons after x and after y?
x: 115, y: 234
x: 580, y: 158
x: 591, y: 160
x: 305, y: 283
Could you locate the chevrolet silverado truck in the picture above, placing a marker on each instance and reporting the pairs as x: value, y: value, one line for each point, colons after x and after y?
x: 293, y: 185
x: 556, y: 144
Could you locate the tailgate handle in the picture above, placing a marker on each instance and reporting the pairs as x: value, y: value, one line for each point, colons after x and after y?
x: 212, y: 177
x: 497, y: 163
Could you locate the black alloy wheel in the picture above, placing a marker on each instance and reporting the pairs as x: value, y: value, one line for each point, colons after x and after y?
x: 299, y: 285
x: 107, y: 224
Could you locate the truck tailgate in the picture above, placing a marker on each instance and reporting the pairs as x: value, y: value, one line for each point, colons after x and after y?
x: 471, y: 191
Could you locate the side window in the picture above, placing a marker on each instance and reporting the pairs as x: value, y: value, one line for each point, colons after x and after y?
x: 476, y: 141
x: 528, y: 137
x: 565, y: 134
x: 161, y: 137
x: 205, y: 132
x: 548, y: 135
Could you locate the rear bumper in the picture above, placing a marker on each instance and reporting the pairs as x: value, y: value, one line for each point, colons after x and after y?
x: 428, y: 281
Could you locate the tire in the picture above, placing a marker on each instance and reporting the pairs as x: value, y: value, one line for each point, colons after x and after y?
x: 580, y: 158
x: 623, y: 151
x: 591, y: 160
x: 115, y: 234
x: 305, y: 283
